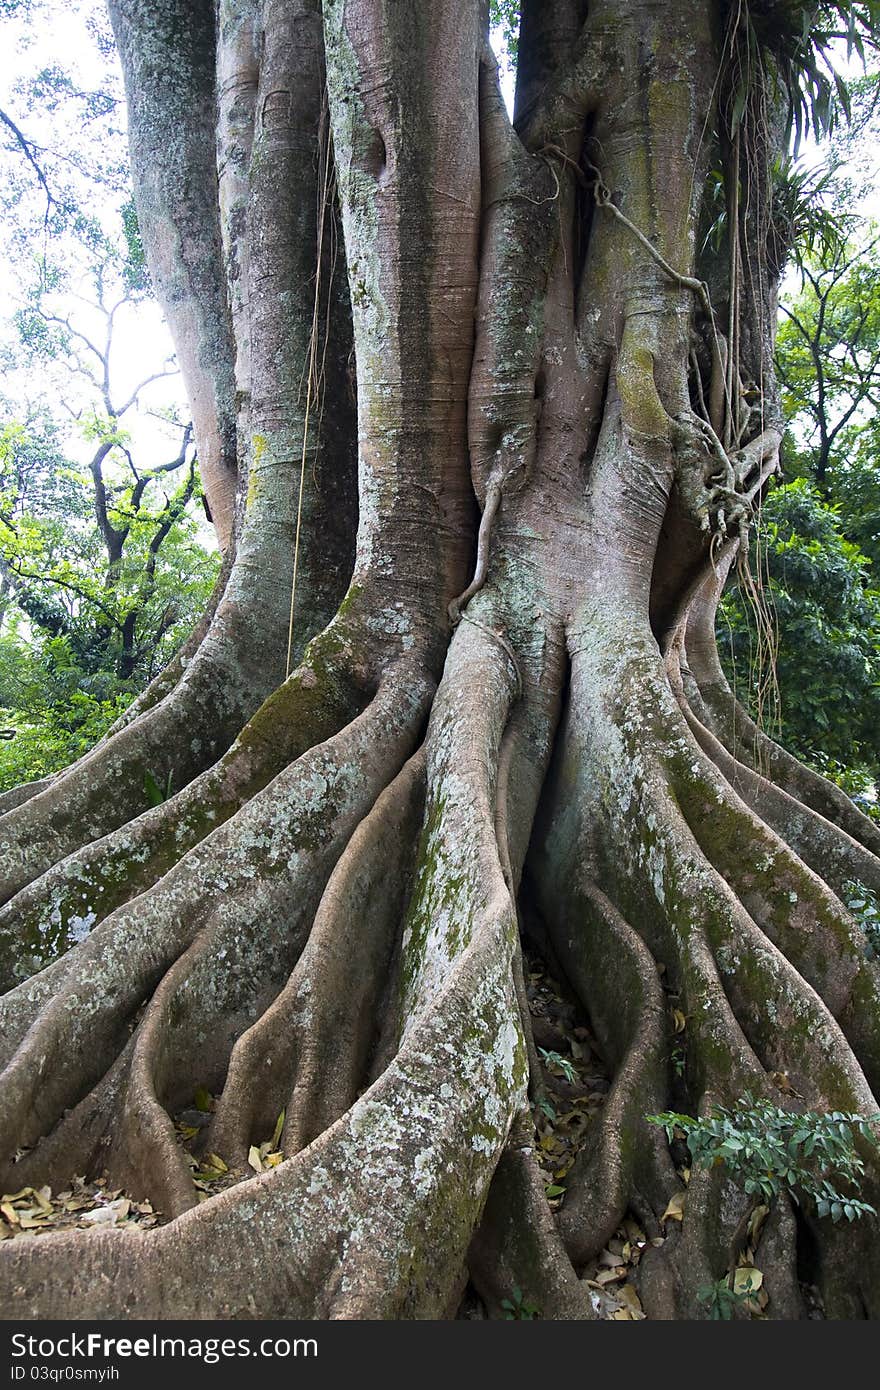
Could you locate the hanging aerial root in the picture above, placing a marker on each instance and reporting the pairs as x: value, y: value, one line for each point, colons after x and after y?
x: 518, y: 1245
x: 72, y: 897
x: 291, y: 829
x: 307, y: 1055
x: 484, y: 537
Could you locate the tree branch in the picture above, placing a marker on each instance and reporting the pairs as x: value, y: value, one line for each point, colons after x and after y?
x: 27, y: 149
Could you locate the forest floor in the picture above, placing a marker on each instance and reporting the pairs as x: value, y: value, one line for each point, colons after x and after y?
x: 576, y: 1082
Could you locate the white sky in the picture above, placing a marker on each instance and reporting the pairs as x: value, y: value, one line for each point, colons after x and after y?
x: 56, y: 33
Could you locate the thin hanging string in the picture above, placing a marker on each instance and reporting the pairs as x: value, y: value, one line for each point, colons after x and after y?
x: 310, y: 384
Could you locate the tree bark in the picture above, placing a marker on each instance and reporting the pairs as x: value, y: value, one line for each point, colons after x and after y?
x: 510, y: 721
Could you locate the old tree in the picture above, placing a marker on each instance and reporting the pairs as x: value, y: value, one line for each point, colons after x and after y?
x: 482, y: 417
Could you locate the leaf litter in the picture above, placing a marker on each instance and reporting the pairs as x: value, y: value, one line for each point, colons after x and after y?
x: 576, y: 1084
x: 90, y: 1204
x: 81, y: 1205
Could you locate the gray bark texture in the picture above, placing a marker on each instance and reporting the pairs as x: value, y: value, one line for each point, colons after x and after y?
x: 482, y: 446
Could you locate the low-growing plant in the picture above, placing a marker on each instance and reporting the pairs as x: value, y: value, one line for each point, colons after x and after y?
x: 516, y: 1308
x: 558, y: 1064
x: 810, y: 1155
x: 864, y: 905
x: 721, y: 1301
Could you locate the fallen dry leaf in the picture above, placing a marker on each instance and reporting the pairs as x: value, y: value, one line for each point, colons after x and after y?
x: 630, y: 1299
x: 675, y: 1208
x: 747, y: 1279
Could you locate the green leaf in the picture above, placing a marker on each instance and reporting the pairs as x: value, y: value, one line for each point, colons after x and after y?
x: 154, y: 792
x: 204, y: 1101
x: 277, y: 1131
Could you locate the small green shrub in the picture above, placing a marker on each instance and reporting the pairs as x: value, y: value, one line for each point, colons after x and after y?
x: 558, y: 1065
x: 516, y: 1308
x: 721, y: 1301
x: 771, y: 1150
x: 865, y: 907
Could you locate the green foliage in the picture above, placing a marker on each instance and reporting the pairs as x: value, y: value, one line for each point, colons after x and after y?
x: 517, y: 1308
x: 156, y: 792
x: 721, y: 1301
x: 57, y: 709
x: 103, y: 570
x: 134, y: 270
x: 558, y: 1065
x: 828, y: 359
x: 790, y: 49
x: 805, y: 219
x: 504, y: 16
x: 125, y: 615
x: 819, y: 536
x: 864, y: 905
x: 819, y: 586
x: 770, y: 1151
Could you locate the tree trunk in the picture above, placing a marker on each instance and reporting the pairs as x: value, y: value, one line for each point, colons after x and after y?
x: 491, y: 711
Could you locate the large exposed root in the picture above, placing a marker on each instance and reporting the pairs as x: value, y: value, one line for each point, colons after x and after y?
x: 821, y: 844
x: 109, y: 786
x: 277, y: 997
x: 518, y: 1245
x: 17, y: 796
x: 215, y: 895
x: 375, y: 1216
x: 624, y: 1163
x: 749, y: 1018
x: 233, y: 670
x: 791, y: 905
x: 718, y: 709
x: 311, y: 1047
x: 55, y: 910
x: 373, y: 1219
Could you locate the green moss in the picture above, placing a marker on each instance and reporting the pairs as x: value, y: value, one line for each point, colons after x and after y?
x: 259, y: 448
x: 352, y: 598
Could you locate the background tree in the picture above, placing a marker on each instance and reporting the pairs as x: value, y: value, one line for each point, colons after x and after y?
x: 820, y: 681
x: 102, y: 573
x: 462, y: 682
x: 80, y: 634
x: 816, y: 680
x: 829, y: 358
